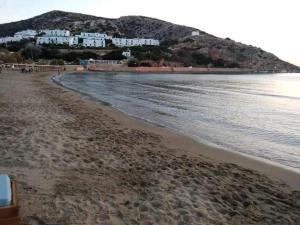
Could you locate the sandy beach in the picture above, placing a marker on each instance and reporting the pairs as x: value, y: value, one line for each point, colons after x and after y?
x: 80, y: 162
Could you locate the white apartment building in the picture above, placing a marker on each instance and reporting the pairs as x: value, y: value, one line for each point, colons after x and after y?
x: 125, y: 42
x: 94, y: 43
x: 26, y: 34
x: 55, y: 37
x: 93, y: 40
x: 5, y: 40
x: 55, y: 40
x: 149, y: 42
x: 56, y: 33
x: 94, y: 35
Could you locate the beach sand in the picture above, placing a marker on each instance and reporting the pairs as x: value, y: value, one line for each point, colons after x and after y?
x: 78, y: 162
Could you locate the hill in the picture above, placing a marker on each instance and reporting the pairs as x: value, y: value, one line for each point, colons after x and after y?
x: 178, y: 45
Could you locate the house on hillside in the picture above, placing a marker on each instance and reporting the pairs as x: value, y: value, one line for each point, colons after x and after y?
x: 196, y: 33
x: 127, y: 53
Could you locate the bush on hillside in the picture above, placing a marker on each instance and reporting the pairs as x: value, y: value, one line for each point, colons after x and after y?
x: 17, y: 46
x: 201, y: 59
x: 7, y: 57
x: 133, y: 62
x: 114, y: 55
x: 48, y: 53
x: 76, y: 56
x: 32, y: 52
x: 154, y: 53
x: 57, y: 62
x: 146, y: 63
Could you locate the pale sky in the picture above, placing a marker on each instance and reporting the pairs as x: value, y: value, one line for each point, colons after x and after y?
x: 272, y: 25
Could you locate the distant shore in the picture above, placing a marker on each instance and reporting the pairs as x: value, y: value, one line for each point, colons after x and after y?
x: 78, y: 162
x: 182, y: 70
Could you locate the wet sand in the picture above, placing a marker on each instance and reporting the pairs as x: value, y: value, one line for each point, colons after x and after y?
x: 77, y: 162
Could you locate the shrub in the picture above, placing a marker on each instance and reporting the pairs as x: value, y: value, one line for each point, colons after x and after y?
x: 155, y: 53
x: 133, y: 62
x: 57, y: 62
x: 168, y: 43
x: 201, y: 59
x: 114, y: 55
x: 32, y: 52
x: 146, y: 64
x: 48, y: 53
x: 76, y: 56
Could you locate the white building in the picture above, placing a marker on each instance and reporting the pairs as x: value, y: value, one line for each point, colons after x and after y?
x: 5, y: 40
x: 127, y: 53
x: 125, y: 42
x: 26, y: 34
x: 94, y: 35
x: 196, y: 33
x: 92, y: 40
x: 94, y: 43
x: 55, y: 40
x: 55, y: 37
x: 63, y: 37
x: 56, y: 33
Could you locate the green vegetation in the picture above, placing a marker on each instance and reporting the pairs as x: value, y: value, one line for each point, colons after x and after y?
x: 16, y: 46
x: 32, y: 52
x: 7, y: 57
x: 59, y: 62
x: 168, y: 43
x: 76, y: 56
x: 191, y: 57
x: 152, y: 53
x: 114, y: 55
x: 133, y: 62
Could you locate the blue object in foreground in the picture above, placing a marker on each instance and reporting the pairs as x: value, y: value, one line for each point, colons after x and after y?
x: 5, y: 190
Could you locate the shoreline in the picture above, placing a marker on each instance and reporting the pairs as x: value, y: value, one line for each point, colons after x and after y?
x: 289, y: 175
x: 181, y: 70
x: 79, y: 162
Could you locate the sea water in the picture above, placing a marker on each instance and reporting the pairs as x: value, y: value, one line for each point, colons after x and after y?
x: 258, y: 115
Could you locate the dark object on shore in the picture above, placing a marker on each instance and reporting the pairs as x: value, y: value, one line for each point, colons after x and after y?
x: 26, y: 70
x: 9, y: 215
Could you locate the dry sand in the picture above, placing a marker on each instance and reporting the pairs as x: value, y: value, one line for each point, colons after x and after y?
x: 77, y: 162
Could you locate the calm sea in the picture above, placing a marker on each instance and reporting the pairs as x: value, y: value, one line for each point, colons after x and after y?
x: 258, y: 115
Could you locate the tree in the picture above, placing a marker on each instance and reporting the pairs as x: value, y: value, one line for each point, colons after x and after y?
x: 114, y: 55
x: 32, y: 52
x: 133, y: 62
x: 18, y: 57
x: 57, y: 62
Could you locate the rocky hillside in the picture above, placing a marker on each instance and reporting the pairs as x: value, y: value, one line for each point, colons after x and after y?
x: 177, y: 42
